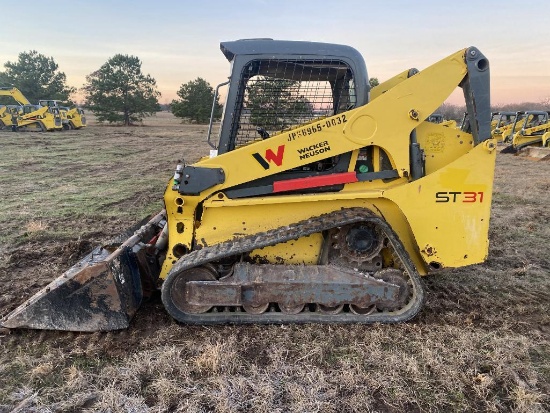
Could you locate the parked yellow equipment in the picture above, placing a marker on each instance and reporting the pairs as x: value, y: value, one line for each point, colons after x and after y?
x: 505, y: 122
x: 33, y: 117
x: 501, y: 118
x: 8, y: 116
x: 534, y: 131
x: 76, y: 117
x: 39, y: 118
x: 440, y: 119
x: 319, y: 206
x: 71, y: 118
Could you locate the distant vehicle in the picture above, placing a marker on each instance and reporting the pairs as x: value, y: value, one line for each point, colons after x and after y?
x: 440, y: 119
x: 71, y: 118
x: 534, y: 131
x: 502, y: 124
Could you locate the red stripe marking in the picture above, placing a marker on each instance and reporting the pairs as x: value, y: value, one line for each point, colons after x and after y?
x: 314, y: 181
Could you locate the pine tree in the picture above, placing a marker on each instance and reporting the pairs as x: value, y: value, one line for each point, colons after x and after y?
x: 120, y: 92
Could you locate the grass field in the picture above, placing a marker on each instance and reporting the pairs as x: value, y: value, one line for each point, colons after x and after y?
x: 481, y: 343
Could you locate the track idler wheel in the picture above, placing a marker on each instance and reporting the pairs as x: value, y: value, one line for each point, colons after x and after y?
x: 395, y: 277
x: 178, y: 292
x: 360, y: 242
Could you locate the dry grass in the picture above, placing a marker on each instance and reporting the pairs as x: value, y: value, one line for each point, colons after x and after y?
x: 36, y: 226
x: 482, y: 343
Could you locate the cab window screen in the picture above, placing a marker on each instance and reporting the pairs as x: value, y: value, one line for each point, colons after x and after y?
x: 278, y: 95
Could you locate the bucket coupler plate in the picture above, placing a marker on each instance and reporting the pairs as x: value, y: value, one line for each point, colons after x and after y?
x: 254, y: 285
x: 101, y: 292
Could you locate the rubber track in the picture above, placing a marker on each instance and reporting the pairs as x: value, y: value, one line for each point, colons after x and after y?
x: 282, y: 234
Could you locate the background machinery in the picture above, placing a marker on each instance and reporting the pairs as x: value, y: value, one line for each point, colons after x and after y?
x: 71, y: 118
x: 502, y: 124
x: 33, y: 117
x: 436, y: 118
x: 8, y: 116
x: 532, y: 129
x: 440, y: 119
x: 322, y: 201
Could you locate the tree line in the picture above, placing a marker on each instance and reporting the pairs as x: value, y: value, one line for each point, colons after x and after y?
x: 117, y: 92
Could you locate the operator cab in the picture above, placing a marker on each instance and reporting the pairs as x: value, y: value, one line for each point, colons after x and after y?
x: 49, y: 103
x: 534, y: 119
x: 286, y: 85
x: 26, y: 109
x: 505, y: 118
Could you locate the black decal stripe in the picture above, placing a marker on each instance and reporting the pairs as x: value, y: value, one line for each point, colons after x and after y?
x: 261, y: 160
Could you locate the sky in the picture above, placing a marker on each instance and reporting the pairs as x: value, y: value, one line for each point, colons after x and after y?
x: 178, y: 41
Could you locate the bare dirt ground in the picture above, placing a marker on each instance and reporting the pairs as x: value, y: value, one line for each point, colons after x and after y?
x: 482, y: 342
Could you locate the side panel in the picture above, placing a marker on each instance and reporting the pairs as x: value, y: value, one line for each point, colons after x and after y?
x: 442, y: 144
x: 449, y: 210
x: 249, y: 216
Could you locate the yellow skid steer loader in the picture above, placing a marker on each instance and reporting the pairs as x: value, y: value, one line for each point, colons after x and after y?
x: 322, y: 200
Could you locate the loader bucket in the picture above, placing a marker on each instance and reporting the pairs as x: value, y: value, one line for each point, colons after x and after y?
x: 101, y: 292
x: 509, y: 149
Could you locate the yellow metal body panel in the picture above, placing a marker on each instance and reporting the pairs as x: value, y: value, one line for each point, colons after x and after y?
x: 388, y: 84
x: 303, y: 251
x: 502, y: 133
x: 293, y: 208
x: 451, y: 123
x: 442, y: 144
x: 6, y: 116
x: 76, y: 118
x: 521, y: 140
x: 453, y: 198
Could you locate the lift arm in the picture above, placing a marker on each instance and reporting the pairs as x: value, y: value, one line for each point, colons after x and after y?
x: 411, y: 101
x: 14, y: 93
